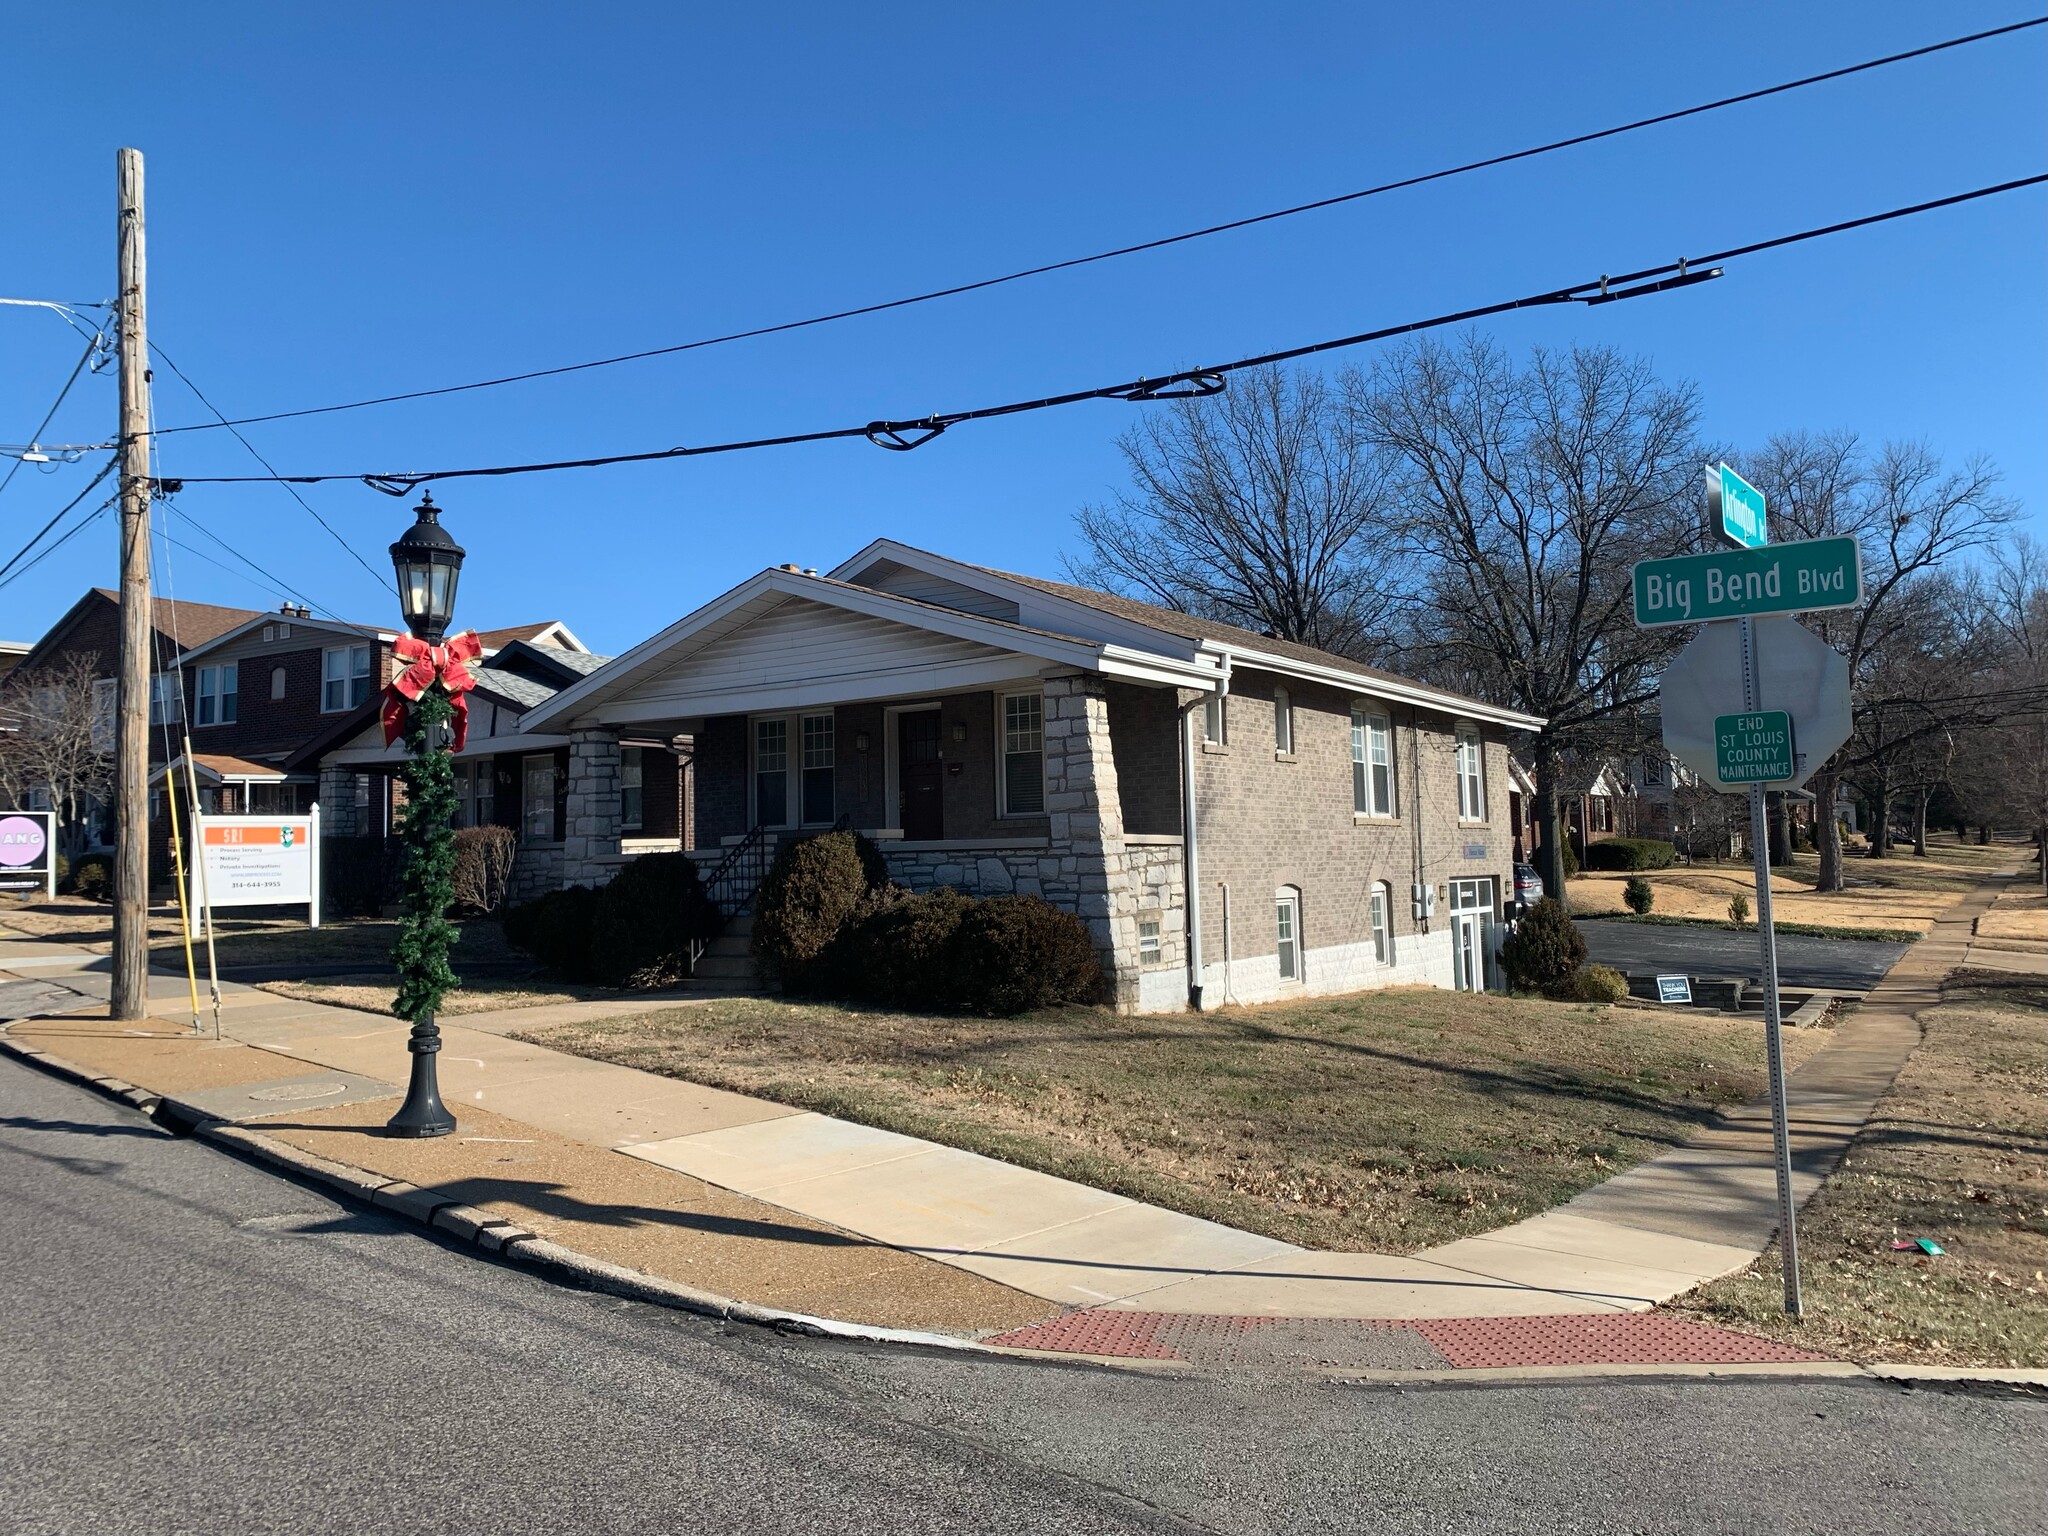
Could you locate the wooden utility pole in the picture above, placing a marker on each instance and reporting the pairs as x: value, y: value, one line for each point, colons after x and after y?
x: 131, y: 735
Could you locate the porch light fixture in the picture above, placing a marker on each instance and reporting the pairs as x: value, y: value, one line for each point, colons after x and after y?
x: 429, y: 563
x: 860, y: 741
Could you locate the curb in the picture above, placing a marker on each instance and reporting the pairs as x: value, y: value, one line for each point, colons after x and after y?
x: 507, y: 1240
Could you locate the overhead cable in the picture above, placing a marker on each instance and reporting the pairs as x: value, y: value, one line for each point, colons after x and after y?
x: 92, y: 345
x: 1144, y: 245
x: 903, y: 435
x: 105, y: 470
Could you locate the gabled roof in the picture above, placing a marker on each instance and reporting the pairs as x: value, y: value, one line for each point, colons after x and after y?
x: 181, y: 623
x: 1060, y: 604
x: 333, y: 627
x: 220, y: 768
x: 551, y: 632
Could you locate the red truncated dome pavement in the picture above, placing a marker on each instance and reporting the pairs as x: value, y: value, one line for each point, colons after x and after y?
x: 1633, y: 1338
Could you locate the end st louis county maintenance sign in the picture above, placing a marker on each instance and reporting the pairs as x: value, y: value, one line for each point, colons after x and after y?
x: 1738, y: 583
x: 1754, y: 748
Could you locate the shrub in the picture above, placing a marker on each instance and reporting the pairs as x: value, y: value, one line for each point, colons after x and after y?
x: 1570, y: 856
x: 642, y: 923
x: 357, y: 875
x: 1599, y: 984
x: 1630, y: 853
x: 1546, y: 949
x: 1638, y: 895
x: 93, y: 876
x: 900, y: 952
x: 557, y: 930
x: 1738, y: 908
x: 1011, y: 954
x: 483, y: 868
x: 811, y: 893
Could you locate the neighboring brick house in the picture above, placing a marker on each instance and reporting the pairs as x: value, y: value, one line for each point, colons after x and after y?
x: 1608, y: 808
x: 1347, y: 828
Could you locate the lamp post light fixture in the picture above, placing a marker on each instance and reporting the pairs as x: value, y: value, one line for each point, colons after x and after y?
x: 429, y: 564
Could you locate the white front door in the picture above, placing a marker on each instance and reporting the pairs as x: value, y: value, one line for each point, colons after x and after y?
x: 1471, y: 905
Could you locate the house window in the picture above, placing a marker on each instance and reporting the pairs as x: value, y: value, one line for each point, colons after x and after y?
x: 465, y: 794
x: 1471, y: 775
x: 362, y: 791
x: 1214, y: 721
x: 1283, y: 721
x: 1148, y: 939
x: 1023, y: 782
x: 214, y: 703
x: 344, y: 678
x: 771, y: 772
x: 1383, y: 923
x: 166, y: 703
x: 1372, y: 764
x: 102, y: 715
x: 1287, y: 930
x: 817, y: 769
x: 1653, y: 773
x: 538, y: 799
x: 632, y: 797
x: 269, y: 633
x: 1603, y: 814
x: 277, y: 682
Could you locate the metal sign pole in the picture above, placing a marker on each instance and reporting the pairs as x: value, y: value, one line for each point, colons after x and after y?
x: 1767, y: 942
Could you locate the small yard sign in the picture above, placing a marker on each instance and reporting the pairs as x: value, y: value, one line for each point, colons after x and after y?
x: 1754, y: 748
x: 256, y: 861
x: 28, y: 851
x: 1674, y: 989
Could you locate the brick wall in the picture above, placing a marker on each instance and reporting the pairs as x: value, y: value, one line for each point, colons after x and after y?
x: 1144, y: 739
x: 721, y: 773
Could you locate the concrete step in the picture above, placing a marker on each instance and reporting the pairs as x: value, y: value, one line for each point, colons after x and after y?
x: 729, y: 944
x: 741, y: 923
x: 725, y: 968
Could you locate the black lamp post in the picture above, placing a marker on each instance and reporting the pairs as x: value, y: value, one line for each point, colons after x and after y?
x: 428, y: 563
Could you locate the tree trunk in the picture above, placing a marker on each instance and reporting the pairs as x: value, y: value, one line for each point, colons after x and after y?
x: 1780, y: 822
x: 1920, y: 821
x: 1983, y: 834
x: 1827, y: 831
x: 1881, y: 820
x: 1549, y: 824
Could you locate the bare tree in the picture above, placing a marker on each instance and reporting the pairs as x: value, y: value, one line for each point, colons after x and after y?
x: 1912, y: 517
x: 1527, y: 493
x: 1255, y: 508
x: 55, y: 739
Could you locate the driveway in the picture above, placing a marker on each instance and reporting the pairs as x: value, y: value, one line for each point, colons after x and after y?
x: 1849, y: 965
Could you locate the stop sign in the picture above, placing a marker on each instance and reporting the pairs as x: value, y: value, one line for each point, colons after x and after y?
x: 1800, y: 673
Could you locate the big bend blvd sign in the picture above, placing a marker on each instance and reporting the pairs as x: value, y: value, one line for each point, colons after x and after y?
x: 1740, y: 583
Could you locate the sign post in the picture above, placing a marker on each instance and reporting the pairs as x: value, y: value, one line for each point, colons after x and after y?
x: 28, y: 851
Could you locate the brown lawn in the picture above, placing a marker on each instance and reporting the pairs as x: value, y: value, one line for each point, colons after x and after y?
x: 1387, y: 1121
x: 1957, y: 1152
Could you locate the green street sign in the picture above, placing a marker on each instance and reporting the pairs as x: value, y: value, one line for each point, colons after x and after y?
x: 1754, y: 748
x: 1736, y: 583
x: 1735, y: 508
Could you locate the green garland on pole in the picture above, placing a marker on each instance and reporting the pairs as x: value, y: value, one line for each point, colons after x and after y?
x: 427, y: 834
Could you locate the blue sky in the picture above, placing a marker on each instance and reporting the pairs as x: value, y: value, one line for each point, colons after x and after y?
x: 346, y: 201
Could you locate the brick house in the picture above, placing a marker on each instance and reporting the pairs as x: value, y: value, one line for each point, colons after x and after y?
x: 1609, y: 807
x: 1235, y: 817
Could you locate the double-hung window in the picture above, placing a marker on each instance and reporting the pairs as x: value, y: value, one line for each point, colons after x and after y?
x: 632, y: 788
x: 816, y: 736
x: 1383, y: 923
x: 344, y: 677
x: 214, y: 703
x: 771, y: 773
x: 1283, y: 722
x: 1287, y: 933
x: 537, y: 799
x: 1023, y: 781
x: 1471, y: 775
x: 166, y: 703
x: 1372, y: 764
x: 465, y: 794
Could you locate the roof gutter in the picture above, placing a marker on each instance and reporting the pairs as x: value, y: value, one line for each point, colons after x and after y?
x: 1382, y: 688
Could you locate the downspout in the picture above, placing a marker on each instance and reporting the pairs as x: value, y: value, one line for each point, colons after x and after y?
x: 1421, y: 887
x: 1191, y: 864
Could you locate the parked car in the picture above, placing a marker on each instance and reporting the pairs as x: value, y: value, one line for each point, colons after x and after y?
x: 1528, y: 887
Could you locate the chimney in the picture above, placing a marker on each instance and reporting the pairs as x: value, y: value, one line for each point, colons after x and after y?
x: 791, y: 567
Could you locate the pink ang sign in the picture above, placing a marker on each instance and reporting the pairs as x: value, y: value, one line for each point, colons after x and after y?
x: 21, y: 841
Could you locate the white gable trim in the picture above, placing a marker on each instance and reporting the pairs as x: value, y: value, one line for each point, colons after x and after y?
x: 328, y: 627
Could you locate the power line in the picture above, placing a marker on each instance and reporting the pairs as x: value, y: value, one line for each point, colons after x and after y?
x: 382, y: 580
x: 105, y: 470
x: 75, y: 529
x: 92, y: 345
x: 908, y: 434
x: 274, y: 582
x: 1145, y: 245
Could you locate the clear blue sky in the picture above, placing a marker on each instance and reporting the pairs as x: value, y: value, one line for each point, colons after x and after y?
x: 350, y: 200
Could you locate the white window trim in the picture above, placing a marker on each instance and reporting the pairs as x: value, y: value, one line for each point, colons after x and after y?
x: 1380, y: 921
x: 1391, y: 811
x: 789, y: 753
x: 1289, y: 897
x: 1220, y: 703
x: 347, y: 679
x: 219, y: 695
x: 1462, y: 733
x: 796, y: 753
x: 640, y: 823
x: 1283, y: 723
x: 1002, y: 774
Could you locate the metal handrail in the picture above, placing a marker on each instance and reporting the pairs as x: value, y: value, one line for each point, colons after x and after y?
x: 731, y: 885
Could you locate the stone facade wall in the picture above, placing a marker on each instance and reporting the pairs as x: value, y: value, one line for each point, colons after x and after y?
x: 536, y: 870
x: 340, y: 816
x: 590, y: 831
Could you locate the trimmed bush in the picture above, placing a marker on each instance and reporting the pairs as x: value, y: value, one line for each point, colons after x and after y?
x: 1738, y: 908
x: 1012, y: 954
x: 483, y: 868
x: 557, y: 930
x: 1546, y: 949
x: 93, y: 876
x: 1599, y: 984
x: 645, y: 919
x: 1630, y: 853
x: 900, y: 953
x: 813, y: 890
x: 1638, y: 895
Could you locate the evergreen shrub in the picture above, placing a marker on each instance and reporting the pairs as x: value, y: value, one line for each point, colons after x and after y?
x: 557, y: 930
x: 1638, y: 895
x: 643, y: 922
x: 1546, y: 949
x: 813, y: 890
x: 1630, y: 853
x: 1599, y: 984
x: 900, y: 953
x: 1012, y: 954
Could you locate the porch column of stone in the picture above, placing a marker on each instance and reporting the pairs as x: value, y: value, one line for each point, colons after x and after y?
x: 1085, y: 819
x: 340, y: 816
x: 591, y: 821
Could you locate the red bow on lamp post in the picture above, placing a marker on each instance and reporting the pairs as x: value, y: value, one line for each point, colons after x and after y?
x: 430, y: 664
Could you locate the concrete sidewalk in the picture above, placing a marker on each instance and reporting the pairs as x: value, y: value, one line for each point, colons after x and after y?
x: 971, y: 1243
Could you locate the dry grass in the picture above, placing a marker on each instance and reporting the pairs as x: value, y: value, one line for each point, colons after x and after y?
x: 1387, y: 1121
x: 478, y: 994
x: 1958, y: 1152
x: 2016, y: 915
x: 1901, y: 891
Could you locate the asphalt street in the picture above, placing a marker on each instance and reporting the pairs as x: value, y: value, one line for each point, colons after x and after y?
x: 1850, y: 965
x: 193, y: 1343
